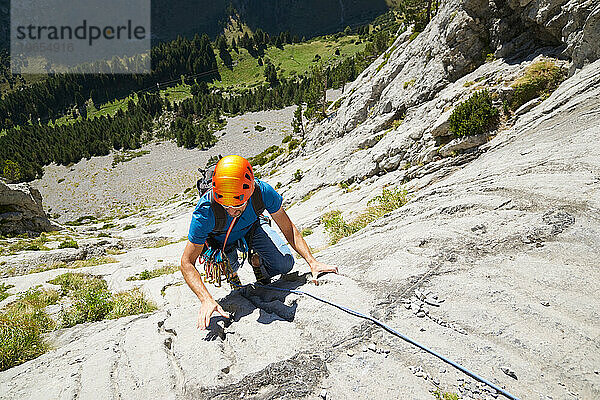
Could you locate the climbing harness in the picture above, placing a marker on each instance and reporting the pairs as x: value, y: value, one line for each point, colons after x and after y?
x: 394, y: 332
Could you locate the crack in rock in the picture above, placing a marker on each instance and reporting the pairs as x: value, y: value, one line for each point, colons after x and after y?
x: 168, y: 344
x: 293, y: 378
x: 558, y: 220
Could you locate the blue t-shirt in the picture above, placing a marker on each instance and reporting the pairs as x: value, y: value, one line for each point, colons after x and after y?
x: 203, y: 218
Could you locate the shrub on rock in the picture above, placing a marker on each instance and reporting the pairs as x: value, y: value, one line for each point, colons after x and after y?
x: 68, y: 243
x: 474, y: 116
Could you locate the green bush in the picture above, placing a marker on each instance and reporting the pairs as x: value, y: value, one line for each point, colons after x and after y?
x: 337, y: 227
x: 128, y: 226
x: 24, y: 321
x: 286, y: 139
x: 388, y: 201
x: 306, y: 232
x: 293, y: 144
x: 68, y: 243
x: 259, y: 128
x: 474, y: 116
x: 298, y: 175
x: 539, y: 80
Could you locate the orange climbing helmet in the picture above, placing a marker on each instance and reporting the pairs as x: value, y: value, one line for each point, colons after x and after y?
x: 232, y: 181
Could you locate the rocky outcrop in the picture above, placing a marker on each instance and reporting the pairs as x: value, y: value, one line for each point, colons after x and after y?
x: 21, y: 210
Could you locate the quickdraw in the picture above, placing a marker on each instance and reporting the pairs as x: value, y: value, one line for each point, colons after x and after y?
x: 216, y: 263
x: 216, y: 266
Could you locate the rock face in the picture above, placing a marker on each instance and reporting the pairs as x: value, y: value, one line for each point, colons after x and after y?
x: 492, y: 263
x: 21, y: 210
x: 397, y: 109
x: 494, y: 266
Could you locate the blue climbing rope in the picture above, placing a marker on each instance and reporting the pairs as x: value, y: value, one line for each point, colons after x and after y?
x: 395, y: 332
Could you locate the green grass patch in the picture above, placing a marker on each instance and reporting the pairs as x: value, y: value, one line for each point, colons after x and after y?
x: 90, y: 262
x: 22, y: 325
x: 298, y: 175
x: 68, y: 243
x: 347, y: 187
x: 107, y: 109
x: 293, y: 60
x: 309, y: 195
x: 439, y: 395
x: 306, y: 232
x: 130, y: 302
x: 408, y: 84
x: 178, y: 93
x: 539, y: 80
x: 292, y: 144
x: 259, y: 128
x: 337, y: 103
x: 149, y: 274
x: 165, y: 242
x: 268, y: 155
x: 128, y: 226
x: 92, y: 301
x: 474, y: 116
x: 36, y: 244
x: 389, y: 200
x: 4, y: 290
x: 115, y: 252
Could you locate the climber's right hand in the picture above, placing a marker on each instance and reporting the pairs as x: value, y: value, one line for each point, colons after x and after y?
x: 209, y: 306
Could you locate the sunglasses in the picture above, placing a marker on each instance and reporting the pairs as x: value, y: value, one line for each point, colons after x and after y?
x: 235, y: 207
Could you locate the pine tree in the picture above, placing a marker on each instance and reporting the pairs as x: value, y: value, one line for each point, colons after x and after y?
x: 271, y: 74
x: 297, y: 124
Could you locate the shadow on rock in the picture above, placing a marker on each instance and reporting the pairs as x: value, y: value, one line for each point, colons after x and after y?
x: 271, y: 303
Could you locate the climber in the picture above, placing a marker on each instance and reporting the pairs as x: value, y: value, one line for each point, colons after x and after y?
x: 228, y: 219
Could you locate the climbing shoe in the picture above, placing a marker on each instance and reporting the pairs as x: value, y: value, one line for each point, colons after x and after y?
x: 235, y: 282
x: 258, y: 274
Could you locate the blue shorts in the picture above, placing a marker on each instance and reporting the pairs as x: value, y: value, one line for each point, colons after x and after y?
x: 275, y: 255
